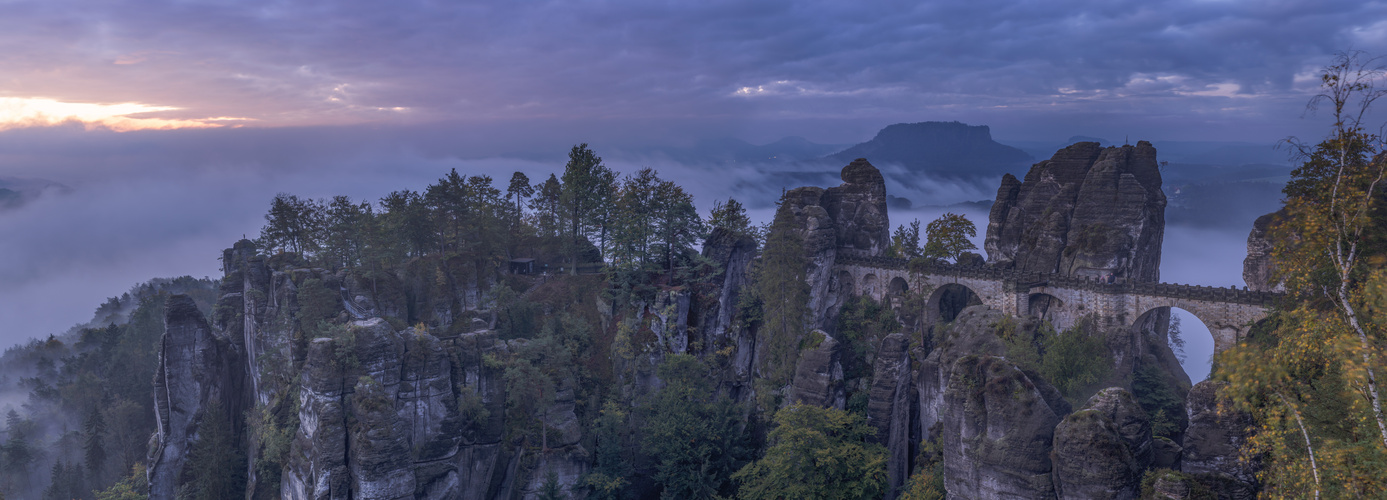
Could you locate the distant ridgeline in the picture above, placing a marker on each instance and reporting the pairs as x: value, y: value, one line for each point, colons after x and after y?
x: 565, y: 339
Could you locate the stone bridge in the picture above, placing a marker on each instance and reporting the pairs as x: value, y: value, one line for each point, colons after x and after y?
x: 1228, y: 313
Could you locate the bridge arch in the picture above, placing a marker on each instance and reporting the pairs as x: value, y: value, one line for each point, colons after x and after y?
x: 946, y: 301
x: 869, y: 286
x: 1049, y: 308
x: 898, y: 286
x: 1227, y: 322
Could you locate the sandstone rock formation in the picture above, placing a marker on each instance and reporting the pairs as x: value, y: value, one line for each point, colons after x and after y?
x: 891, y: 407
x: 1101, y: 450
x: 198, y: 370
x: 1087, y: 211
x: 819, y: 375
x: 1212, y: 442
x: 997, y: 432
x: 848, y: 220
x: 1258, y: 267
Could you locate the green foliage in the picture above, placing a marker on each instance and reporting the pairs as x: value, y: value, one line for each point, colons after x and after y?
x: 343, y: 344
x: 779, y: 283
x: 1160, y: 400
x: 730, y: 216
x: 272, y: 427
x: 588, y: 187
x: 1197, y: 489
x: 68, y: 481
x: 471, y: 407
x: 551, y: 490
x: 905, y: 242
x: 291, y: 224
x: 926, y: 484
x: 611, y: 469
x: 696, y: 440
x: 1075, y: 360
x: 1022, y: 344
x: 1312, y: 382
x: 318, y: 303
x: 132, y: 487
x: 817, y: 453
x: 654, y: 224
x: 862, y: 323
x: 93, y: 442
x: 216, y: 466
x: 948, y: 236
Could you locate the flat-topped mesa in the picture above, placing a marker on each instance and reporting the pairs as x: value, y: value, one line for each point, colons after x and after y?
x: 1088, y: 211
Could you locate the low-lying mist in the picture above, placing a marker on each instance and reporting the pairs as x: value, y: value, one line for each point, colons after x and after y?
x: 67, y: 251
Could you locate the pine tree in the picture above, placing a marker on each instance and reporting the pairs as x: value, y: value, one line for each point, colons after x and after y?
x: 216, y: 466
x: 780, y: 285
x: 94, y: 428
x: 585, y: 190
x: 519, y: 189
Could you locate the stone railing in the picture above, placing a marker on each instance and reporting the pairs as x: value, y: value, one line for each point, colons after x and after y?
x: 1032, y: 278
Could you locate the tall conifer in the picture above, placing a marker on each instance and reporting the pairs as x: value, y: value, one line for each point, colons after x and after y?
x: 784, y: 294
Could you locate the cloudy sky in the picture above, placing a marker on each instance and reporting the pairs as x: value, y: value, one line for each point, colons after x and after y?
x: 175, y: 122
x: 1184, y: 69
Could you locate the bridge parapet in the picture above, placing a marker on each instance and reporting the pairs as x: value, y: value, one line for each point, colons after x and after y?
x: 1031, y: 278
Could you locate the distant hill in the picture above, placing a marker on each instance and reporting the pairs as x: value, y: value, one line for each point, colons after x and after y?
x: 944, y: 149
x: 15, y: 191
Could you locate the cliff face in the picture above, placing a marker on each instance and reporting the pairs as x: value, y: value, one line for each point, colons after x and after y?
x: 199, y: 371
x: 375, y: 411
x: 1258, y: 269
x: 375, y: 408
x: 1087, y: 211
x: 848, y: 220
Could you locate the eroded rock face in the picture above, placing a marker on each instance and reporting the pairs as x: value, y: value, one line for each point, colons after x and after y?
x: 1101, y: 450
x: 819, y: 375
x: 1087, y: 211
x: 997, y: 432
x: 891, y: 407
x: 1213, y: 439
x: 403, y: 414
x: 1258, y: 267
x: 846, y: 220
x: 198, y: 370
x: 858, y: 210
x: 970, y: 333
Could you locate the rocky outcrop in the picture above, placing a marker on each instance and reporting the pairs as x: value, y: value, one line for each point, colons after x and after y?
x: 198, y: 371
x: 891, y: 407
x: 847, y: 220
x: 997, y: 432
x: 1101, y: 450
x: 972, y: 332
x: 404, y: 414
x: 1215, y: 434
x: 1258, y: 268
x: 1087, y: 211
x: 732, y: 253
x: 819, y: 375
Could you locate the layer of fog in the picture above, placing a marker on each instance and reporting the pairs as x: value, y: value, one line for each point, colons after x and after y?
x: 65, y: 253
